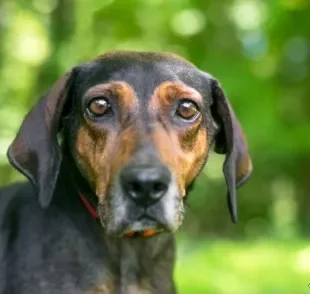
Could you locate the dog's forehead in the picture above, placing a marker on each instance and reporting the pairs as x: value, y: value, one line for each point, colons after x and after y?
x: 143, y: 71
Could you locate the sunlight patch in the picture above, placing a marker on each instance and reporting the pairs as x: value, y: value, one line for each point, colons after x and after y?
x: 303, y: 260
x: 30, y: 41
x: 188, y: 22
x: 248, y: 15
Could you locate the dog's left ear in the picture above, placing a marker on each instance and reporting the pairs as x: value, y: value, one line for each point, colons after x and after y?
x: 35, y: 151
x: 230, y: 140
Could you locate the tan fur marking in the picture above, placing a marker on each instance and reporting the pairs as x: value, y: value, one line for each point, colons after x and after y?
x: 168, y: 92
x: 124, y: 149
x: 92, y: 156
x: 97, y: 145
x: 182, y: 149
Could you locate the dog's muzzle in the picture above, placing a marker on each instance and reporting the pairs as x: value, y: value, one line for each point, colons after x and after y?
x: 145, y: 186
x: 145, y: 200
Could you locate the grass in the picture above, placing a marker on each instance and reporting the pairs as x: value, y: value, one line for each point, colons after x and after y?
x: 258, y: 267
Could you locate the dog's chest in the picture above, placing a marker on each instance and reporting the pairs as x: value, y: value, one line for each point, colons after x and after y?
x: 79, y: 270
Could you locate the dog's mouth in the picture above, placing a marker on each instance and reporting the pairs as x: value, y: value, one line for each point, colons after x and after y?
x: 145, y: 226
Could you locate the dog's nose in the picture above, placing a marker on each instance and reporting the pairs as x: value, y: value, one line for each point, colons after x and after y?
x: 145, y: 185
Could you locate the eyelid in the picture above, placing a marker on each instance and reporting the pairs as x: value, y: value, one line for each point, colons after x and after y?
x: 191, y: 94
x: 98, y: 92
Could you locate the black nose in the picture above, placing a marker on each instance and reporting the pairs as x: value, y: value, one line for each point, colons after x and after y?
x: 145, y: 185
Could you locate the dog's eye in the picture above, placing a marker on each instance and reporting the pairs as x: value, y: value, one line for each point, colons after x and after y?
x: 99, y: 107
x: 187, y: 110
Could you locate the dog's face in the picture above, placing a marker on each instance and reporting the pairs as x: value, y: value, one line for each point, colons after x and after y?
x: 140, y: 135
x: 139, y: 127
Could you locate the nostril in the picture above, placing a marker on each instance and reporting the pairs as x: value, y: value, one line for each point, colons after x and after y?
x: 159, y: 188
x: 136, y: 187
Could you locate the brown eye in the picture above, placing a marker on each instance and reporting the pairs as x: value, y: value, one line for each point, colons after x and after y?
x: 99, y: 107
x: 187, y: 110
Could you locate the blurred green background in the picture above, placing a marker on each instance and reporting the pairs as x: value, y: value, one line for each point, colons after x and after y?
x: 260, y: 51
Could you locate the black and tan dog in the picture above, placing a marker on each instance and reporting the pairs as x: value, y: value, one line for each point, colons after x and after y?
x: 100, y: 209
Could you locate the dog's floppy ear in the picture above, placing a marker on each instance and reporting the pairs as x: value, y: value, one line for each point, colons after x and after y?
x: 230, y: 140
x: 35, y: 151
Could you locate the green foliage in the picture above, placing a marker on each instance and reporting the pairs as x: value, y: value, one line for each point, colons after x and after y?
x: 223, y: 267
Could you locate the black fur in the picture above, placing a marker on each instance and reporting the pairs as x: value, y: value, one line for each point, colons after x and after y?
x: 62, y: 248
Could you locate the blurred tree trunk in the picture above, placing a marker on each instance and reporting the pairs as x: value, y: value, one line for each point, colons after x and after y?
x: 61, y: 30
x: 2, y: 30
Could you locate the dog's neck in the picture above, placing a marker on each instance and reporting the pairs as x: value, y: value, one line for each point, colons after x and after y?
x: 135, y: 264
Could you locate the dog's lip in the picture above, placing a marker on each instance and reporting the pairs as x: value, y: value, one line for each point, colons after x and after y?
x: 144, y: 230
x: 143, y: 233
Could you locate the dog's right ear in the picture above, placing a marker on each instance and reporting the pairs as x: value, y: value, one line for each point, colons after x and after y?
x: 35, y: 151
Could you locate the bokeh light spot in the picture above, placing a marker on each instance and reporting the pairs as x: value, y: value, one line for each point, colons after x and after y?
x: 297, y: 49
x: 188, y: 22
x: 284, y: 208
x: 45, y: 6
x: 255, y: 45
x: 213, y: 169
x: 248, y: 15
x: 303, y: 260
x: 265, y: 67
x: 30, y: 43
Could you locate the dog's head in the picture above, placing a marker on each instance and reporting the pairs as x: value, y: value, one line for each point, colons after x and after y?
x: 139, y: 127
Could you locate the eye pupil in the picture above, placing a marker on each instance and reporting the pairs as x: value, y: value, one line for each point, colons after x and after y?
x: 187, y: 110
x: 98, y: 107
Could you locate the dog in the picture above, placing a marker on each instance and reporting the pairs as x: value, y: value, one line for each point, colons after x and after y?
x: 110, y: 153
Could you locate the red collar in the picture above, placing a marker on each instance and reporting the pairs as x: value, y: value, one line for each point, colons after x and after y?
x: 88, y: 206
